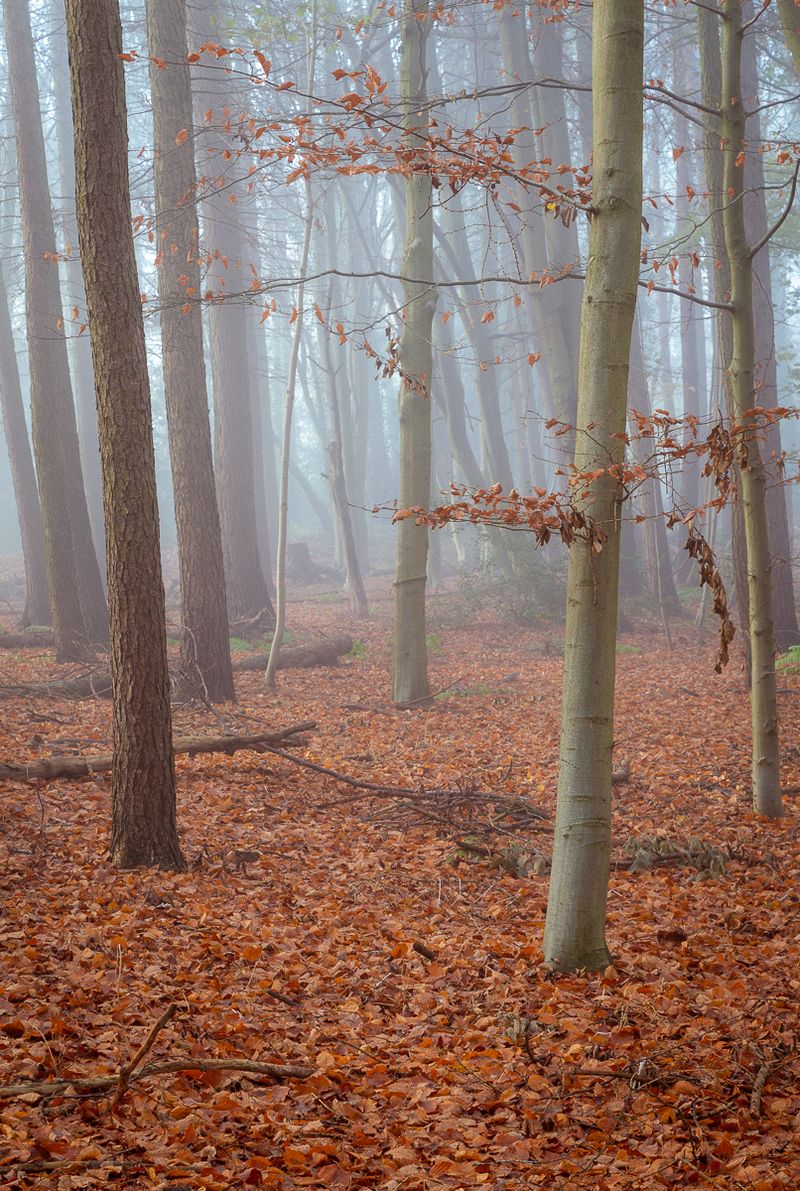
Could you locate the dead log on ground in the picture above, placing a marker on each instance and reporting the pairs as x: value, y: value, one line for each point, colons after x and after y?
x: 97, y: 683
x: 26, y: 640
x: 298, y: 657
x: 72, y: 766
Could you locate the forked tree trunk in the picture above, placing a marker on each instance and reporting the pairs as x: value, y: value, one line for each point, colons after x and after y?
x: 410, y: 683
x: 76, y: 590
x: 205, y: 649
x: 144, y: 830
x: 576, y: 909
x: 752, y: 478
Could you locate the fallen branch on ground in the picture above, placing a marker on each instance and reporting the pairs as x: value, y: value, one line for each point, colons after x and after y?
x: 99, y: 1083
x: 71, y: 766
x: 443, y: 808
x: 298, y: 657
x: 131, y: 1072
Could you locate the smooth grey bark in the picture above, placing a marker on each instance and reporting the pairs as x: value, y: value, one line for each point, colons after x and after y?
x: 784, y: 612
x: 576, y: 909
x: 410, y: 683
x: 711, y: 76
x: 752, y: 477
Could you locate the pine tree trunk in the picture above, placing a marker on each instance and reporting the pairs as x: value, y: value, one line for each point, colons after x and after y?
x: 76, y: 590
x: 752, y: 477
x: 576, y: 909
x: 144, y: 830
x: 205, y: 650
x: 410, y: 683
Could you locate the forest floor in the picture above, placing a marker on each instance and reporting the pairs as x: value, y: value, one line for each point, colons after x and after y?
x: 460, y: 1064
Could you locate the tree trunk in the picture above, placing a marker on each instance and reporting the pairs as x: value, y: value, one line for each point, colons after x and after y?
x: 410, y: 683
x: 790, y: 18
x: 80, y: 349
x: 227, y: 320
x: 73, y: 576
x: 576, y: 909
x: 144, y: 830
x: 205, y: 651
x: 37, y: 602
x: 711, y: 75
x: 766, y: 747
x: 784, y: 613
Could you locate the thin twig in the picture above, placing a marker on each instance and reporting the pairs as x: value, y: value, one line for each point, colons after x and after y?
x: 126, y: 1071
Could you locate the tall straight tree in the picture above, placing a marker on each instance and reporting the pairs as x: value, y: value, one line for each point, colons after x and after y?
x: 576, y: 909
x: 752, y: 477
x: 410, y: 683
x: 76, y: 590
x: 205, y: 649
x: 144, y: 830
x: 225, y: 246
x: 80, y: 349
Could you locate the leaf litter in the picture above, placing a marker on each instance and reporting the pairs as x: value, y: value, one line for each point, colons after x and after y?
x: 393, y: 946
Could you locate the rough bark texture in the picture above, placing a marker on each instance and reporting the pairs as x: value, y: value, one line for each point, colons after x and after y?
x: 752, y: 477
x: 205, y: 651
x: 144, y: 830
x: 37, y: 601
x: 410, y: 660
x: 576, y: 909
x: 227, y: 321
x: 73, y: 576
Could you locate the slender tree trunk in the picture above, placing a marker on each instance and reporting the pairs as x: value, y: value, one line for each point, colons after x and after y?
x: 144, y: 830
x: 711, y: 76
x: 766, y: 747
x: 205, y: 650
x: 784, y: 612
x: 576, y: 909
x: 355, y: 583
x: 658, y: 564
x: 291, y: 384
x: 410, y: 683
x: 37, y: 602
x: 76, y: 590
